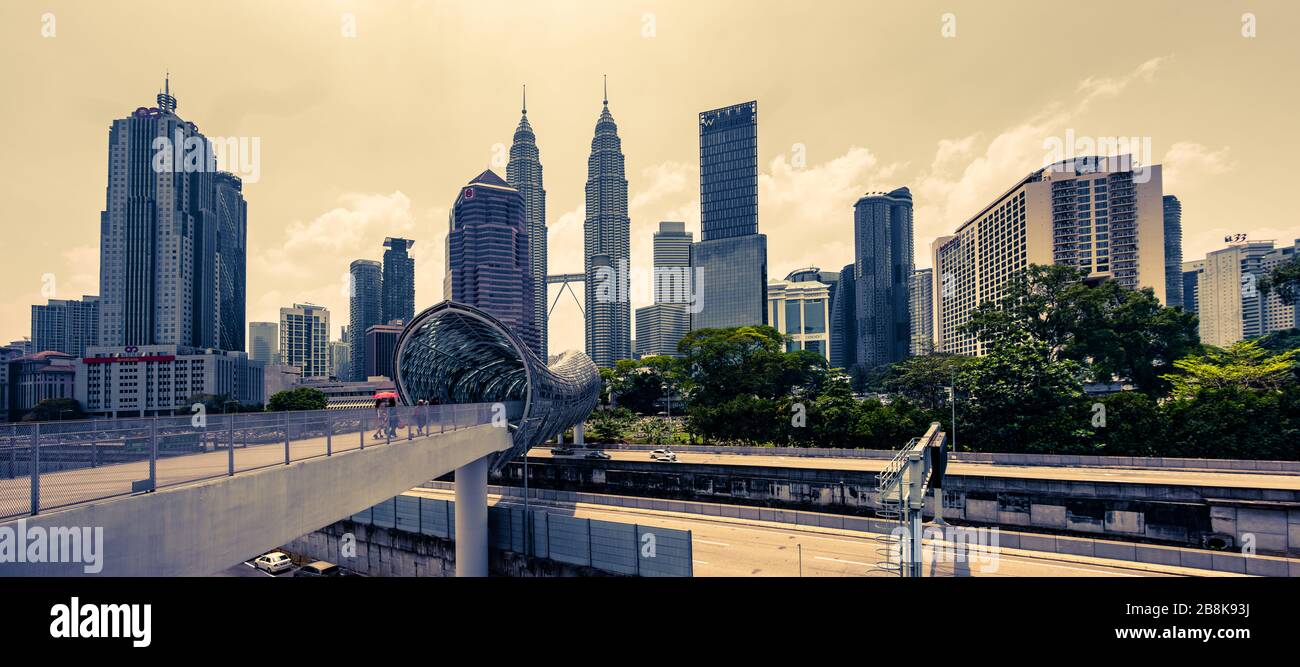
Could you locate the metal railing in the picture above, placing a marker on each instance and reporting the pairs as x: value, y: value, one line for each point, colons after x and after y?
x: 51, y: 465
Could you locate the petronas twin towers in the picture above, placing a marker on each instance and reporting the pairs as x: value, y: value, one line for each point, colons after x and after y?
x: 606, y: 251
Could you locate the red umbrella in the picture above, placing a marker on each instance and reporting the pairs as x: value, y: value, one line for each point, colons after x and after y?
x: 386, y: 394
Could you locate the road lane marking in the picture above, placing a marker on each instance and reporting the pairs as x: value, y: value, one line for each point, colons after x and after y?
x: 841, y: 560
x: 719, y: 544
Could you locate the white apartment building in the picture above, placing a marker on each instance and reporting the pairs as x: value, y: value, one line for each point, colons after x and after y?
x: 153, y: 380
x: 1230, y: 306
x: 1077, y: 213
x: 801, y: 311
x: 304, y: 339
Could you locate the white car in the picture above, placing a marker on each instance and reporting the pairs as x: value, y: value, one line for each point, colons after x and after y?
x: 663, y: 455
x: 273, y: 563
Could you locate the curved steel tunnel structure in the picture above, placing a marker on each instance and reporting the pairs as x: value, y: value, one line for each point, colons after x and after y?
x: 455, y: 353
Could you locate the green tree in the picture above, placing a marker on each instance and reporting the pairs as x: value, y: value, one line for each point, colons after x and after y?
x: 1284, y: 280
x: 1232, y: 421
x: 1246, y: 365
x: 1112, y: 331
x: 925, y: 380
x: 1133, y: 424
x: 1020, y: 400
x: 609, y: 425
x: 298, y: 398
x: 52, y: 409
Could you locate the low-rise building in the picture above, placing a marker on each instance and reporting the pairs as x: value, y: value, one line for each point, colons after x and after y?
x: 154, y: 380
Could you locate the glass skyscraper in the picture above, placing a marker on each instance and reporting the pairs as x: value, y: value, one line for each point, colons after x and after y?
x: 661, y: 326
x: 488, y: 265
x: 729, y: 172
x: 232, y: 253
x: 399, y: 281
x: 606, y: 252
x: 171, y: 242
x: 365, y: 310
x: 524, y: 173
x: 731, y: 256
x: 882, y: 271
x: 1174, y: 252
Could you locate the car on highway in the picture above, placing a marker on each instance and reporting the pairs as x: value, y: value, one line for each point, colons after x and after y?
x: 663, y: 455
x: 273, y: 563
x: 597, y: 454
x: 561, y: 451
x: 319, y: 568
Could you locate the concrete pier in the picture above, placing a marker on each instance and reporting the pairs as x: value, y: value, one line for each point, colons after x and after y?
x: 472, y: 519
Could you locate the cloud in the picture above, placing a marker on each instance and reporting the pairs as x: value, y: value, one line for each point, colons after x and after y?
x: 282, y: 274
x: 1187, y: 164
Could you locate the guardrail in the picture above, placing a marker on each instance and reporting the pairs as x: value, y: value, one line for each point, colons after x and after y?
x: 51, y: 465
x: 995, y: 458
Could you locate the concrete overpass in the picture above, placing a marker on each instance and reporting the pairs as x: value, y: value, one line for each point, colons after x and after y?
x: 204, y: 515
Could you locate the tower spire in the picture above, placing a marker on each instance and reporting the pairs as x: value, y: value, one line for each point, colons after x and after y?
x: 525, y: 109
x: 166, y: 102
x: 606, y: 100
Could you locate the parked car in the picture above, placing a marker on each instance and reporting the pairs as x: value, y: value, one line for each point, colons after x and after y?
x: 597, y: 454
x: 561, y: 451
x: 273, y: 563
x: 319, y: 568
x: 663, y: 455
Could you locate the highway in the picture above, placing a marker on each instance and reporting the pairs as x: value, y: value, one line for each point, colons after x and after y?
x: 1245, y: 480
x: 728, y: 547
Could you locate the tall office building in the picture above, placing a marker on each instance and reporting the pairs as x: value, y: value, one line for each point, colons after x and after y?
x: 161, y: 235
x: 1173, y: 211
x: 1229, y: 303
x: 398, y: 282
x: 921, y: 294
x: 66, y: 325
x: 882, y: 271
x: 264, y: 342
x: 662, y: 325
x: 487, y: 256
x: 524, y: 173
x: 844, y: 321
x: 731, y: 255
x: 304, y: 339
x: 1089, y: 212
x: 340, y: 360
x: 232, y: 259
x: 1191, y: 275
x: 606, y: 254
x: 381, y: 342
x: 800, y: 311
x: 365, y: 309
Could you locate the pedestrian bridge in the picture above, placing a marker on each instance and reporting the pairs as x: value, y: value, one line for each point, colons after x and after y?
x: 177, y: 500
x: 194, y: 495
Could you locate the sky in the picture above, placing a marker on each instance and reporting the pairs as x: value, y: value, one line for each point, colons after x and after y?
x: 369, y: 116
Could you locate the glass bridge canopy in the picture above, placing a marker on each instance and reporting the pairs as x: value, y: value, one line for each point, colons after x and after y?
x: 453, y: 353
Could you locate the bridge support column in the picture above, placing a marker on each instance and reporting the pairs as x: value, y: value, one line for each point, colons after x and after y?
x: 472, y: 519
x: 578, y: 433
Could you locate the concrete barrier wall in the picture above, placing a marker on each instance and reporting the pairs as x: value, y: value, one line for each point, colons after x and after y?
x: 205, y: 527
x: 1234, y: 465
x: 1218, y: 561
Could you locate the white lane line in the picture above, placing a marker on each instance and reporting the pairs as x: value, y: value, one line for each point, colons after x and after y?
x: 1035, y: 561
x: 840, y: 560
x: 717, y: 544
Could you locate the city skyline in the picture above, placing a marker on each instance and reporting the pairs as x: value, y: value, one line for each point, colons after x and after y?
x: 291, y: 221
